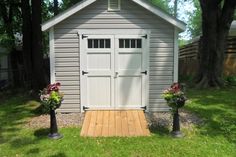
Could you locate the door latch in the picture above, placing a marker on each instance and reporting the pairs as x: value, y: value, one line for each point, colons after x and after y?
x: 144, y: 72
x: 84, y: 72
x: 116, y: 74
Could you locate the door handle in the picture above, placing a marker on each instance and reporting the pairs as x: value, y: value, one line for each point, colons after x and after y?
x: 84, y: 72
x: 116, y: 74
x: 144, y: 72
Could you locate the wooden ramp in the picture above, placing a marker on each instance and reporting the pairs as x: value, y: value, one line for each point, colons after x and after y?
x: 125, y: 123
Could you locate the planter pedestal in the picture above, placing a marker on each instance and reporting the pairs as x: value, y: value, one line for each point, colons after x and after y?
x: 53, y: 126
x: 176, y: 125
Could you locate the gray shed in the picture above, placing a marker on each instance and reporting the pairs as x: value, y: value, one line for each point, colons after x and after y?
x: 113, y: 54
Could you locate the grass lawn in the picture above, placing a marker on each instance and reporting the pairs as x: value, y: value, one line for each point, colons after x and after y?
x: 216, y: 137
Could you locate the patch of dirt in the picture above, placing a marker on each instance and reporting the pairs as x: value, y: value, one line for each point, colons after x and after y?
x: 63, y: 120
x: 165, y: 119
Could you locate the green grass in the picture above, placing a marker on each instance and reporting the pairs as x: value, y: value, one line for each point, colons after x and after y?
x: 214, y: 138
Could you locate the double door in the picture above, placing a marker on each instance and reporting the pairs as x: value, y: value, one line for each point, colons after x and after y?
x: 113, y: 71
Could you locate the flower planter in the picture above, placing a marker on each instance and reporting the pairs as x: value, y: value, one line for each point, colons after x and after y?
x: 53, y: 126
x: 176, y: 124
x: 51, y: 99
x: 175, y: 99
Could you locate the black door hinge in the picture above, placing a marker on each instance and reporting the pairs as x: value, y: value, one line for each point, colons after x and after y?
x: 84, y: 72
x: 144, y: 72
x: 85, y: 108
x: 84, y: 36
x: 145, y: 36
x: 144, y: 108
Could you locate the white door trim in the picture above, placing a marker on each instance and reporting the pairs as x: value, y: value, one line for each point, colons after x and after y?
x: 117, y: 32
x: 52, y: 56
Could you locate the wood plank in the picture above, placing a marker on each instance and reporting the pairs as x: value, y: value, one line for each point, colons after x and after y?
x: 105, y: 128
x: 86, y: 123
x: 92, y: 124
x: 118, y: 123
x: 124, y: 124
x: 112, y: 125
x: 115, y: 123
x: 99, y: 124
x: 131, y: 125
x: 138, y: 128
x: 143, y: 123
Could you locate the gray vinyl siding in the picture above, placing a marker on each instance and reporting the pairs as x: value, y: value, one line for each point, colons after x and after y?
x: 131, y: 16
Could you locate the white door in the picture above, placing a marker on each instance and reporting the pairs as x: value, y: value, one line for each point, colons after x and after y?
x: 131, y: 70
x: 113, y: 71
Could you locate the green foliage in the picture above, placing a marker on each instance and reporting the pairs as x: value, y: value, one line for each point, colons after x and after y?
x: 231, y: 80
x: 182, y: 42
x: 195, y: 21
x: 51, y: 97
x: 68, y: 3
x: 163, y: 4
x: 174, y: 96
x: 7, y: 42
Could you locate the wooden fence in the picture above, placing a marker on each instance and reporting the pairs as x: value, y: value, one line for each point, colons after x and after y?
x: 188, y: 54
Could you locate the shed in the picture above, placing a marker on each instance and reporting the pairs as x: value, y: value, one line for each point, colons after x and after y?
x: 113, y: 54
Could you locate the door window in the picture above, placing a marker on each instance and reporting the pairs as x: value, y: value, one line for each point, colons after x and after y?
x: 99, y: 43
x: 130, y: 43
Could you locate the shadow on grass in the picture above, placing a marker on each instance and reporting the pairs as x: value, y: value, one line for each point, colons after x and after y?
x: 59, y: 155
x: 14, y: 114
x: 33, y: 151
x: 159, y: 130
x: 41, y: 133
x: 218, y: 109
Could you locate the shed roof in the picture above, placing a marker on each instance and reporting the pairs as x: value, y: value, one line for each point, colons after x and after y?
x: 79, y: 6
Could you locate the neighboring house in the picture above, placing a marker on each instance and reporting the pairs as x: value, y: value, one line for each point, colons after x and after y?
x: 188, y: 63
x: 113, y: 54
x: 5, y: 58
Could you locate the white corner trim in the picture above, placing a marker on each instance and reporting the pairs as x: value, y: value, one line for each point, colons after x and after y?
x: 176, y: 55
x: 52, y: 56
x: 77, y: 7
x: 161, y: 14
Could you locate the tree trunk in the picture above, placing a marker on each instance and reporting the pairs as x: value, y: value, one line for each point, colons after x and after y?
x: 216, y: 23
x: 39, y: 80
x: 55, y: 7
x: 27, y: 51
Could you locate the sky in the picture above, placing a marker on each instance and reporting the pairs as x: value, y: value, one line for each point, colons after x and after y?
x: 184, y: 10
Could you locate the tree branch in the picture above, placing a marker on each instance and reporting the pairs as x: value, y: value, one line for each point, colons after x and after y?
x: 227, y: 14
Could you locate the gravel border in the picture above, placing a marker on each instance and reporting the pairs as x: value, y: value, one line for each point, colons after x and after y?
x: 63, y: 120
x: 155, y: 120
x: 165, y: 119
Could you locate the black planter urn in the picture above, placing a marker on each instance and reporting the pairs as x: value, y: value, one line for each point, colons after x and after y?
x: 176, y: 124
x: 53, y: 126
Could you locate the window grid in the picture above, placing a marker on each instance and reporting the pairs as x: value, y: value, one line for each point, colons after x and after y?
x: 130, y: 43
x: 99, y: 43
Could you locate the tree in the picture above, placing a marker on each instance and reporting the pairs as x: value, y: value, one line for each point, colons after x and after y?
x: 26, y: 31
x: 195, y: 20
x: 217, y: 16
x: 10, y: 22
x: 39, y: 80
x: 163, y: 4
x: 55, y: 7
